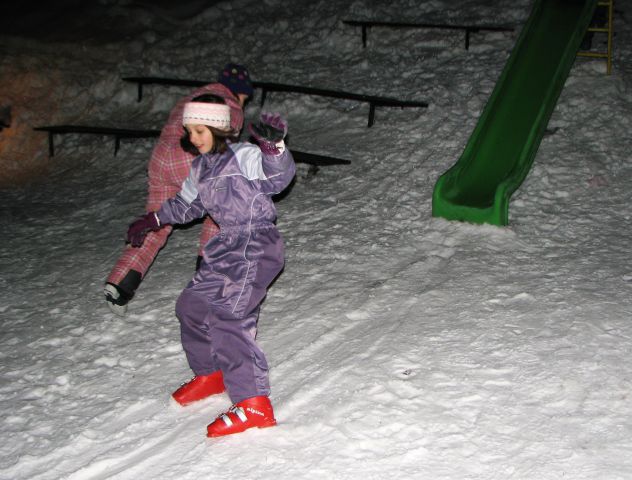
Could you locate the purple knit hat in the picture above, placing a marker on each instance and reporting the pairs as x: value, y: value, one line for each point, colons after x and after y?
x: 236, y: 78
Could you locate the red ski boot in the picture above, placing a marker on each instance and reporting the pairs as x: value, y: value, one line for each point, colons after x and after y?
x: 199, y: 387
x: 249, y: 413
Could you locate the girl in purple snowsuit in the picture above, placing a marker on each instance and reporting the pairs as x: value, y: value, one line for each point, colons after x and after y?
x: 218, y: 310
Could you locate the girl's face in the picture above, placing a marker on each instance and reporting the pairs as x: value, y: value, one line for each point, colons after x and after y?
x: 201, y: 137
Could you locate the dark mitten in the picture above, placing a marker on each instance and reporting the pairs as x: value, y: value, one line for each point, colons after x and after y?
x: 138, y: 230
x: 269, y: 131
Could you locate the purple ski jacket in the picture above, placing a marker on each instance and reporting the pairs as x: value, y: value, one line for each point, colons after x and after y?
x: 235, y: 189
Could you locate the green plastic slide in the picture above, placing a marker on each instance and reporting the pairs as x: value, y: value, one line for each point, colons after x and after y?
x: 502, y: 147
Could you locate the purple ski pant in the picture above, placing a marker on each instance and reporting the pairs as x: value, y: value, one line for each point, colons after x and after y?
x: 219, y: 309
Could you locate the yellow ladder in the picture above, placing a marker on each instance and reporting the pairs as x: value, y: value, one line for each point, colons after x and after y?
x: 608, y: 29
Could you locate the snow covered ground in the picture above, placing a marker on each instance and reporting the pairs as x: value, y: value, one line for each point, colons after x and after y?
x: 401, y: 345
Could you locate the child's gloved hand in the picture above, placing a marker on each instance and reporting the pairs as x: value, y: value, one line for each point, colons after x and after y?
x: 138, y: 230
x: 270, y: 130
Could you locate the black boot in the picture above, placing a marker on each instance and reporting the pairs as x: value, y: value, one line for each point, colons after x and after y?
x: 117, y: 296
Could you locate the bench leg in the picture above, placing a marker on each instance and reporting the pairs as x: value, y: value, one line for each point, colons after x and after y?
x: 467, y: 36
x: 263, y: 96
x: 371, y: 114
x: 117, y: 144
x: 51, y: 145
x: 364, y: 36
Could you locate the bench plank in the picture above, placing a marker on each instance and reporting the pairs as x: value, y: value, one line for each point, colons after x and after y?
x: 372, y: 100
x: 118, y: 133
x: 317, y: 160
x: 181, y: 82
x: 468, y: 29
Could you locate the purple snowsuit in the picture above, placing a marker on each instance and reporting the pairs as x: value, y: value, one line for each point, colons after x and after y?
x: 218, y: 309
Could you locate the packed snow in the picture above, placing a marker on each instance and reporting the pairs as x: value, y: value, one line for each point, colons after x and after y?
x: 401, y: 345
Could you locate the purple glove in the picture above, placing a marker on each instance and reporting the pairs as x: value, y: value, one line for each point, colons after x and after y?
x: 138, y: 230
x: 269, y: 131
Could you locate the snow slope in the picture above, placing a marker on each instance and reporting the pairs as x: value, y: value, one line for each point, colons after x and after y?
x: 401, y: 346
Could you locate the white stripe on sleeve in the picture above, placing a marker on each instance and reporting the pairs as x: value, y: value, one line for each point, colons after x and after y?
x: 188, y: 192
x: 249, y: 160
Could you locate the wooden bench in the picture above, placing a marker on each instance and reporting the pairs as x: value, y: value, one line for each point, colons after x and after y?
x: 119, y: 133
x: 468, y: 29
x: 372, y: 100
x: 265, y: 87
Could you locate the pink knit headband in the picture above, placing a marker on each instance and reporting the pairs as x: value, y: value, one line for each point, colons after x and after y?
x: 212, y: 114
